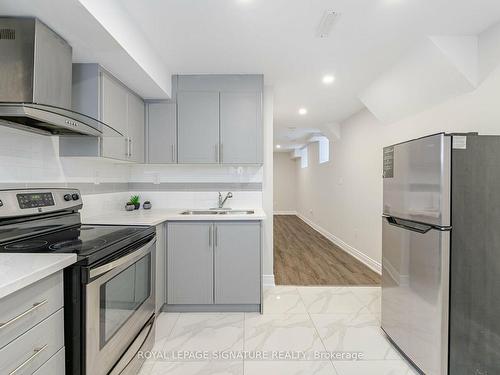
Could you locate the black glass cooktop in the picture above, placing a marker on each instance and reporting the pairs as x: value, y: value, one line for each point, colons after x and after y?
x: 86, y: 240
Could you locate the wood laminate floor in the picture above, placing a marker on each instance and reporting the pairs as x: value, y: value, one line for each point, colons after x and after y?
x: 302, y: 256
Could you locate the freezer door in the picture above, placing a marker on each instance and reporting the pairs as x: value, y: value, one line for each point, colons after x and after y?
x: 417, y: 180
x: 415, y: 294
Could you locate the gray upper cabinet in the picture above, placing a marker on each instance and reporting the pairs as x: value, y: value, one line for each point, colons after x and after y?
x: 135, y: 128
x: 219, y: 118
x: 237, y: 262
x: 190, y: 263
x: 97, y: 94
x: 240, y: 127
x: 113, y: 112
x: 162, y: 133
x: 198, y: 127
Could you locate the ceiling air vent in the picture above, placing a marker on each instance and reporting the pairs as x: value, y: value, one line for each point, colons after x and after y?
x: 326, y: 23
x: 8, y: 34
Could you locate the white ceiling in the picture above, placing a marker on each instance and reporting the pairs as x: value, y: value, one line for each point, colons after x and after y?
x: 277, y: 38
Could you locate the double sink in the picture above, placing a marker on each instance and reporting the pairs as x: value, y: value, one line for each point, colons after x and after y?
x: 218, y: 212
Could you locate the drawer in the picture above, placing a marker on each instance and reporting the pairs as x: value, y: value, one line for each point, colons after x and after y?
x: 29, y: 351
x: 27, y: 307
x: 54, y: 366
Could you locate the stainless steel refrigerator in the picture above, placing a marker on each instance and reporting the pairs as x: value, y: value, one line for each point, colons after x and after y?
x: 441, y: 252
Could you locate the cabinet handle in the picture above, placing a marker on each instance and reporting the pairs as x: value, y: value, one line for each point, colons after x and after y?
x: 173, y: 153
x: 35, y: 354
x: 216, y: 239
x: 126, y: 147
x: 130, y: 148
x: 221, y: 152
x: 210, y: 234
x: 30, y: 310
x: 217, y: 153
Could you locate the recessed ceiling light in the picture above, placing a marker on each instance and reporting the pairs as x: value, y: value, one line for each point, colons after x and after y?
x: 303, y: 111
x: 278, y: 146
x: 328, y: 79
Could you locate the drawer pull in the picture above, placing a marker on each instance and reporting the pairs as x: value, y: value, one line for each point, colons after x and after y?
x: 30, y: 310
x: 35, y: 354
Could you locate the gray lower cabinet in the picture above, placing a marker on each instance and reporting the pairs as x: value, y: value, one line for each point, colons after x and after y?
x: 32, y: 329
x: 161, y: 263
x: 162, y: 133
x: 241, y: 127
x: 198, y: 127
x: 214, y: 263
x: 237, y: 262
x: 190, y: 263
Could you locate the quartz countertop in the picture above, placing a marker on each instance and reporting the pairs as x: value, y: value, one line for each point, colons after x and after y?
x: 20, y: 270
x: 157, y: 216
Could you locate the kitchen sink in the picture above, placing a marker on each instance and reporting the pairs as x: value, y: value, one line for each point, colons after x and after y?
x: 218, y: 212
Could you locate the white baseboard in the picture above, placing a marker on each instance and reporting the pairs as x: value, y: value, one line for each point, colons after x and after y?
x: 365, y: 259
x: 285, y: 213
x: 268, y: 281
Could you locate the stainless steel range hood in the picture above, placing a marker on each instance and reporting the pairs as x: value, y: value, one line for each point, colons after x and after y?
x: 35, y: 81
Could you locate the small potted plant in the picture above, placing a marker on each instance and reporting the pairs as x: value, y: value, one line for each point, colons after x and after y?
x: 135, y: 200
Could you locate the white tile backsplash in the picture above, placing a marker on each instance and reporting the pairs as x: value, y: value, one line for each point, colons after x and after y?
x: 195, y: 173
x: 28, y: 158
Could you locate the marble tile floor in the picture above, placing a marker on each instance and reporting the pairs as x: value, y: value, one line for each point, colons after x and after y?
x: 308, y: 322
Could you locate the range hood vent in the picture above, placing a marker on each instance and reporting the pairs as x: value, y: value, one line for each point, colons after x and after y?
x: 36, y: 79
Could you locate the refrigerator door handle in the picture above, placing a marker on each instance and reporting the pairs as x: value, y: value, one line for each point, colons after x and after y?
x: 419, y: 228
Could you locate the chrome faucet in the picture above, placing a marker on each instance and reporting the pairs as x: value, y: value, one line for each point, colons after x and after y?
x: 222, y: 201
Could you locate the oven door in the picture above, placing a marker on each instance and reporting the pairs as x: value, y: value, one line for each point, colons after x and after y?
x: 119, y: 304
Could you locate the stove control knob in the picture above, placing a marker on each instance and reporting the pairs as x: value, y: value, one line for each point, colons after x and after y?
x: 67, y: 197
x: 1, y: 203
x: 75, y: 197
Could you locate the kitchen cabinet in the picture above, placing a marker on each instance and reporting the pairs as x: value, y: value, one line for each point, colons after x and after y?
x: 198, y: 127
x: 219, y: 119
x: 213, y: 265
x: 237, y: 262
x: 135, y: 128
x: 96, y: 93
x: 162, y: 133
x: 33, y: 328
x: 190, y: 263
x: 241, y: 127
x: 161, y: 266
x: 113, y: 112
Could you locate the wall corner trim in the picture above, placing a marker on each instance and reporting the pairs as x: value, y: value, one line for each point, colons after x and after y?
x: 268, y: 281
x: 365, y: 259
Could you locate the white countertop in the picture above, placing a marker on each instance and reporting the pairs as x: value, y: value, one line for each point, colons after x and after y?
x: 157, y: 216
x: 20, y: 270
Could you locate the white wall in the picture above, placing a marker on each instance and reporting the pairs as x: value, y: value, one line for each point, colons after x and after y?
x: 285, y: 183
x: 344, y: 196
x: 267, y: 187
x: 31, y: 158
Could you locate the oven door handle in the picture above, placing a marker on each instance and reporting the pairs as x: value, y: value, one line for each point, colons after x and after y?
x: 127, y: 259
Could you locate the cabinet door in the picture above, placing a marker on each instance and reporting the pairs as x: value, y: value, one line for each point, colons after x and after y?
x: 135, y: 128
x: 198, y: 127
x: 113, y: 111
x: 241, y: 127
x: 190, y: 263
x: 237, y: 262
x: 162, y: 133
x: 161, y: 266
